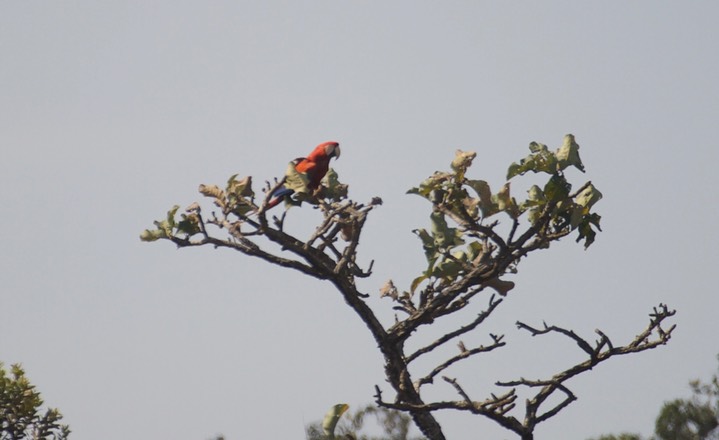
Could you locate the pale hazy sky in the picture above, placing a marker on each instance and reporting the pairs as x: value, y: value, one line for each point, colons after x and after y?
x: 111, y: 112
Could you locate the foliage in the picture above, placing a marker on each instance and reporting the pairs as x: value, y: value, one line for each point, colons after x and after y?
x: 475, y: 239
x: 394, y: 425
x: 620, y: 437
x: 696, y: 418
x: 686, y: 420
x: 470, y: 203
x: 20, y: 415
x: 329, y: 423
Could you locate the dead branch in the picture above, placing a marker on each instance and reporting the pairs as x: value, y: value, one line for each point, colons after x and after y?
x: 463, y: 354
x: 493, y: 304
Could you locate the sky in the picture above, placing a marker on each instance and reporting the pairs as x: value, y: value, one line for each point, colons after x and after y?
x: 112, y: 112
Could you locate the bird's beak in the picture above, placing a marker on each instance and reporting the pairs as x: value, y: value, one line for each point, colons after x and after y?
x: 337, y: 151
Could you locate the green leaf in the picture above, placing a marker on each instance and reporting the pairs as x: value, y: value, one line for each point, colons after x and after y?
x: 540, y: 160
x: 576, y: 216
x: 239, y: 195
x: 295, y: 180
x: 534, y: 204
x: 447, y: 269
x: 333, y: 189
x: 428, y: 245
x: 444, y: 236
x: 168, y: 225
x: 534, y: 215
x: 472, y: 206
x: 165, y: 228
x: 152, y: 235
x: 586, y: 230
x: 568, y: 154
x: 240, y: 188
x: 432, y: 183
x: 506, y: 203
x: 332, y: 417
x: 440, y: 238
x: 416, y: 282
x: 536, y: 195
x: 588, y: 196
x: 557, y: 188
x: 462, y: 161
x: 579, y: 209
x: 189, y: 224
x: 474, y: 250
x: 486, y: 203
x: 515, y: 169
x: 170, y: 221
x: 535, y: 147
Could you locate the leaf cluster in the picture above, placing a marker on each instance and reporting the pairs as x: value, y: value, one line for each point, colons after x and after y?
x: 339, y: 423
x: 237, y: 199
x: 696, y: 418
x: 551, y: 211
x: 20, y: 415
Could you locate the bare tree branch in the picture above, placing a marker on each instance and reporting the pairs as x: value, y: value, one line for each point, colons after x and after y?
x: 463, y: 354
x: 584, y: 345
x: 602, y: 351
x: 493, y: 304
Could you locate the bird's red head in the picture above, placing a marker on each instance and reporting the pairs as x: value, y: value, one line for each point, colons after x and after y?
x: 328, y: 149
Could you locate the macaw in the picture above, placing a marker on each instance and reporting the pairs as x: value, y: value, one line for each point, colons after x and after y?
x: 314, y: 166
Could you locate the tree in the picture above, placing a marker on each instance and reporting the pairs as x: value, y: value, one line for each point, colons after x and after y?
x: 20, y: 415
x: 475, y: 238
x: 395, y: 425
x: 687, y: 420
x: 696, y: 418
x: 620, y: 437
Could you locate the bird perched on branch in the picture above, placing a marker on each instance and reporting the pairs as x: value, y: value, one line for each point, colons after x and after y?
x: 313, y: 167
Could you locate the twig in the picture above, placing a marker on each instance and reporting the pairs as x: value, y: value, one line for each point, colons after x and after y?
x: 464, y: 354
x: 460, y: 331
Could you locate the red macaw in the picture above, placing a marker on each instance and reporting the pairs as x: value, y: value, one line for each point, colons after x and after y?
x: 314, y: 166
